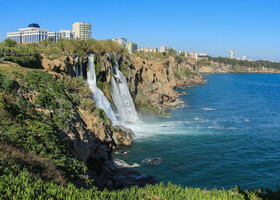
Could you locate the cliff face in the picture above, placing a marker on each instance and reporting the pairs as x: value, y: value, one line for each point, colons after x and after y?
x: 225, y: 68
x: 64, y: 64
x: 152, y: 81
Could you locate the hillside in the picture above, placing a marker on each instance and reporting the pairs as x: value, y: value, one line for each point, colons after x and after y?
x: 227, y: 65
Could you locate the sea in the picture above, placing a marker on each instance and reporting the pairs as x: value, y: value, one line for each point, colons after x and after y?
x: 226, y: 134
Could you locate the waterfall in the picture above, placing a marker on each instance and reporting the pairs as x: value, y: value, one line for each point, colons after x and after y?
x: 101, y: 101
x: 81, y: 67
x: 77, y: 66
x: 121, y: 96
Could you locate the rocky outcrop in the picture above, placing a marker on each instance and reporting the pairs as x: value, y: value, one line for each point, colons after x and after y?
x: 152, y: 81
x: 64, y: 64
x: 122, y: 135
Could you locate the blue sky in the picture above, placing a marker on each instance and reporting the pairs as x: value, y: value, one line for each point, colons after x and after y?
x: 250, y: 27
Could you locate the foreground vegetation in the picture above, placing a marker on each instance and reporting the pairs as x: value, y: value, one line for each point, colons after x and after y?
x: 24, y: 186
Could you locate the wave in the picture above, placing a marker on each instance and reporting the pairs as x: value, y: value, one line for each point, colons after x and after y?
x: 208, y: 109
x: 153, y: 161
x: 201, y: 120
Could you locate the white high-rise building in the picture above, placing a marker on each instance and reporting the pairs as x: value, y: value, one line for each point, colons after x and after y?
x: 232, y: 54
x: 82, y: 30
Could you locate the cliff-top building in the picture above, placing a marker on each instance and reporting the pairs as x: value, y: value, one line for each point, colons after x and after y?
x: 131, y: 47
x: 231, y: 54
x: 163, y: 49
x: 82, y: 30
x: 121, y: 41
x: 193, y: 55
x: 244, y: 57
x: 67, y: 34
x: 33, y: 33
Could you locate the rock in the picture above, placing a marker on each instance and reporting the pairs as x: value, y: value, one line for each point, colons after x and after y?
x: 64, y: 64
x: 121, y: 164
x: 122, y: 135
x: 127, y: 142
x: 178, y: 166
x: 173, y: 104
x: 183, y: 93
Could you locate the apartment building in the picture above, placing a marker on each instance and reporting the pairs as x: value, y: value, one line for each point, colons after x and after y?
x: 82, y: 30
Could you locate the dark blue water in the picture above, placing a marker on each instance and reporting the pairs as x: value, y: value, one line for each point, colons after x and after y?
x: 226, y: 134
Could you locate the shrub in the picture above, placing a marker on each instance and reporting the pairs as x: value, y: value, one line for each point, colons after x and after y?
x: 7, y: 83
x: 9, y: 43
x: 177, y: 75
x: 73, y: 84
x: 33, y: 61
x: 104, y: 117
x: 45, y: 100
x: 88, y: 104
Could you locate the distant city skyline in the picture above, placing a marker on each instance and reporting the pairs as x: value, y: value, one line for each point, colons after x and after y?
x: 251, y: 28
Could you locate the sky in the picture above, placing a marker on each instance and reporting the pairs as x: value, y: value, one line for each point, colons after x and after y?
x: 250, y: 27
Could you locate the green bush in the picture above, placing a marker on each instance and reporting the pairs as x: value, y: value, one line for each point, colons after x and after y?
x: 43, y: 81
x: 9, y: 43
x: 88, y: 104
x: 33, y: 61
x: 7, y: 83
x: 104, y: 117
x: 46, y: 100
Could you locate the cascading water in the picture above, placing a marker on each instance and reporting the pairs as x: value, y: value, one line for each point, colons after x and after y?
x: 81, y: 68
x: 121, y: 96
x: 77, y: 66
x: 101, y: 101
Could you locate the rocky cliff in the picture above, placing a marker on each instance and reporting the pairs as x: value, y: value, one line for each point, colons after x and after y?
x: 215, y: 67
x: 152, y: 81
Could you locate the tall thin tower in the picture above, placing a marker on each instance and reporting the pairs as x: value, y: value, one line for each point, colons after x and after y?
x: 231, y: 54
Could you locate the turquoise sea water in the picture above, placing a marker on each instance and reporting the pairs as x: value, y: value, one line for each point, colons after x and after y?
x: 226, y: 134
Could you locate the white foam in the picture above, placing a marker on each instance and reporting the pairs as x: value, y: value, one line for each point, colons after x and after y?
x: 201, y: 120
x: 208, y: 109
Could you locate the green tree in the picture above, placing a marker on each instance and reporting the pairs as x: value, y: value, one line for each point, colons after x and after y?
x: 10, y: 43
